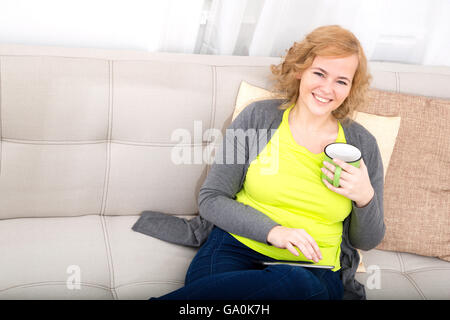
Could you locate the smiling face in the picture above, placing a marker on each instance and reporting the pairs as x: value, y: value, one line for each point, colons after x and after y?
x: 326, y: 84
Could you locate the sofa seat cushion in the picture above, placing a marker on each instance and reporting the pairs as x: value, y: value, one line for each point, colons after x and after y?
x: 395, y: 275
x: 87, y: 257
x: 54, y: 258
x: 144, y: 266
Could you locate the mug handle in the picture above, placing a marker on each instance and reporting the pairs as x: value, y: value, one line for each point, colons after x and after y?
x: 337, y: 176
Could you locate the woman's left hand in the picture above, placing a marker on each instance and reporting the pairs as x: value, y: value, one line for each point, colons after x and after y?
x: 354, y: 183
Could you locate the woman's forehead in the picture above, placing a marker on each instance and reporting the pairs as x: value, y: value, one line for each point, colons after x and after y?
x: 338, y: 66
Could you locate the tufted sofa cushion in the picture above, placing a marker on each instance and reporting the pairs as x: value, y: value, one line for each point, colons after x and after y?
x: 396, y: 275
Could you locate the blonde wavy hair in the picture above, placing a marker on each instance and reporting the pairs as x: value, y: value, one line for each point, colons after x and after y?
x: 326, y: 41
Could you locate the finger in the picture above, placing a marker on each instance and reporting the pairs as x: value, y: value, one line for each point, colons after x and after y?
x: 306, y: 249
x: 302, y: 249
x: 345, y: 176
x: 332, y: 188
x: 328, y: 173
x: 329, y: 166
x: 313, y: 245
x: 345, y: 166
x: 331, y: 169
x: 291, y: 249
x: 344, y: 185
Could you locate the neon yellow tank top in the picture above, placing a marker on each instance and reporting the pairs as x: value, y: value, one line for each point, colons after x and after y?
x: 284, y: 183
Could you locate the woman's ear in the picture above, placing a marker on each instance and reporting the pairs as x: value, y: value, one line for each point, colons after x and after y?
x: 298, y: 75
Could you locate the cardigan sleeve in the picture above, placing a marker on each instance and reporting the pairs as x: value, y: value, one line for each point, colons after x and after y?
x: 217, y: 195
x: 367, y: 226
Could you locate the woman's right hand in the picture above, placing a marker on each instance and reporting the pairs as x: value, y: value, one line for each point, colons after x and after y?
x: 289, y: 238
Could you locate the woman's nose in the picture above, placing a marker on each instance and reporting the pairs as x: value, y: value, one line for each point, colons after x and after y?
x: 326, y: 86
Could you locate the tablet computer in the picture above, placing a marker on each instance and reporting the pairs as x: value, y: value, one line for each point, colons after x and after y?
x: 305, y: 264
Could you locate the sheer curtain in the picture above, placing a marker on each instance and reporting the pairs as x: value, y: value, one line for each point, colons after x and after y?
x: 408, y: 31
x: 150, y: 25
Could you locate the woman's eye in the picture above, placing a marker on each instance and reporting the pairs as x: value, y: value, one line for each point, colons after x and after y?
x: 320, y: 74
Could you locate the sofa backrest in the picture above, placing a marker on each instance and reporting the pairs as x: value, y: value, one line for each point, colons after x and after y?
x: 88, y: 131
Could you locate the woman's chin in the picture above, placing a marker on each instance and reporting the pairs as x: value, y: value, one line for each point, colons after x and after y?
x: 320, y: 111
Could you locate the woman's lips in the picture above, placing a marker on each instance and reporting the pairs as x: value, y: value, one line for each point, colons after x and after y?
x: 321, y: 100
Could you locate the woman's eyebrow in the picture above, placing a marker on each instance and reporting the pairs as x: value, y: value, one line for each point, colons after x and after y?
x: 324, y: 71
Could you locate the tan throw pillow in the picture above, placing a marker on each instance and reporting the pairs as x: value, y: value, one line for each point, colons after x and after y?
x: 416, y: 190
x: 384, y: 129
x: 248, y: 94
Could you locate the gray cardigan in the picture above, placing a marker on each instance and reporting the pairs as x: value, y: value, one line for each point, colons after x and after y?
x: 246, y: 136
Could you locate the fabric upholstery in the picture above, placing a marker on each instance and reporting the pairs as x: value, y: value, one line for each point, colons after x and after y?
x: 397, y: 275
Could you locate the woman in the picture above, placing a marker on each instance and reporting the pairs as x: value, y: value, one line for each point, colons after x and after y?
x: 289, y: 213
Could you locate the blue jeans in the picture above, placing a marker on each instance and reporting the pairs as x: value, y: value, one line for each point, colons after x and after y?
x: 224, y: 268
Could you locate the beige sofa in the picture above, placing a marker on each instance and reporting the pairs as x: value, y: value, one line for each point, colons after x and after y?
x: 86, y: 146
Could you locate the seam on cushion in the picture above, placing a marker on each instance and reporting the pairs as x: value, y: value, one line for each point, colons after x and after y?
x: 409, y: 279
x: 150, y: 282
x: 428, y: 269
x: 48, y: 283
x: 214, y: 97
x: 415, y: 285
x: 213, y: 109
x: 389, y: 270
x: 400, y: 261
x: 109, y: 257
x: 93, y: 285
x: 108, y: 142
x: 83, y: 142
x: 406, y: 275
x: 413, y: 271
x: 50, y: 142
x: 52, y: 217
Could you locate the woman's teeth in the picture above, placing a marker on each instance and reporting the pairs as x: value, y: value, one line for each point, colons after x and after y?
x: 323, y: 100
